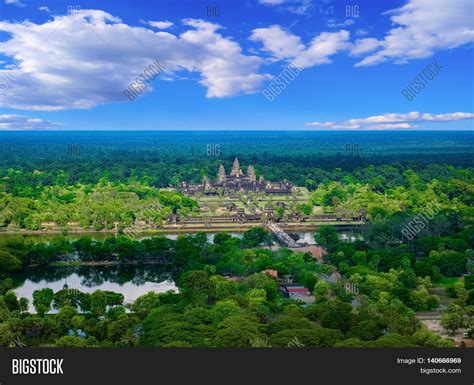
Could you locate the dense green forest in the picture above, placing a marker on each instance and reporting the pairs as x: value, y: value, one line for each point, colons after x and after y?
x: 225, y: 298
x: 211, y: 309
x: 111, y: 187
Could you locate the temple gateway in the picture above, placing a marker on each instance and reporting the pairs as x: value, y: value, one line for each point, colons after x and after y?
x: 236, y: 181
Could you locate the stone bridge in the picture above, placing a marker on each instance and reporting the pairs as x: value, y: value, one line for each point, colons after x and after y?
x: 282, y: 235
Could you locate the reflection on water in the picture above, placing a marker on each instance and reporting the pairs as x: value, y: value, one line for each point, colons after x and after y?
x: 308, y: 237
x: 131, y: 281
x: 46, y: 238
x: 303, y: 236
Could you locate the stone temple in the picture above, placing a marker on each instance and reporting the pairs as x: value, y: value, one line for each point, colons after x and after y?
x: 236, y: 181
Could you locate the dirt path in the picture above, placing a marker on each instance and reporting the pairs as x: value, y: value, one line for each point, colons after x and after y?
x: 317, y: 252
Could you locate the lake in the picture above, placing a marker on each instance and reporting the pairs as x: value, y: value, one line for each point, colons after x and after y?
x: 132, y: 281
x: 303, y: 236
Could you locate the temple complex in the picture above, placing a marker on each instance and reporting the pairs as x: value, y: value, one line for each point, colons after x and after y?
x: 237, y: 181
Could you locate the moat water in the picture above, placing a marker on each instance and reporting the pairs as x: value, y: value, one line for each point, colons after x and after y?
x: 131, y: 281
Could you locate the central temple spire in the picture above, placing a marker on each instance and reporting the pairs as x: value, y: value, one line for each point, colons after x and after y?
x: 236, y: 171
x: 236, y: 182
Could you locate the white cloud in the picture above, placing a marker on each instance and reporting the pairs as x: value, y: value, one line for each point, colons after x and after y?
x: 412, y: 117
x: 20, y: 122
x: 333, y: 23
x: 284, y: 45
x: 299, y: 7
x: 45, y: 9
x: 364, y: 46
x: 394, y: 121
x: 448, y: 117
x: 361, y: 32
x: 321, y: 124
x: 423, y: 27
x: 88, y: 59
x: 16, y: 3
x: 333, y: 125
x: 391, y: 126
x: 281, y: 43
x: 346, y: 126
x: 159, y: 24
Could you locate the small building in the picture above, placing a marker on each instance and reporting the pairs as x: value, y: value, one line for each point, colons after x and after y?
x: 272, y: 273
x: 298, y: 291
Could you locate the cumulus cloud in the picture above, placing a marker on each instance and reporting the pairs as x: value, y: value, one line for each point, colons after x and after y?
x: 20, y: 122
x: 16, y: 3
x: 448, y: 117
x: 412, y: 117
x: 89, y: 58
x: 321, y: 124
x: 423, y: 27
x: 394, y: 121
x: 392, y: 126
x: 281, y: 43
x: 158, y: 24
x: 333, y: 125
x: 420, y: 28
x: 285, y: 45
x: 362, y: 46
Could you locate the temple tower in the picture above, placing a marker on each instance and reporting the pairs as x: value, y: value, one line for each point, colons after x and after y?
x: 236, y: 171
x: 206, y: 182
x: 251, y: 173
x: 221, y: 174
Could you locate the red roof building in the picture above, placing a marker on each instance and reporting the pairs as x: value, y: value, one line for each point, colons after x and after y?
x: 296, y: 291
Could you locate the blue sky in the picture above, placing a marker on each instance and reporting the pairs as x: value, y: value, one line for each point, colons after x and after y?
x: 67, y: 68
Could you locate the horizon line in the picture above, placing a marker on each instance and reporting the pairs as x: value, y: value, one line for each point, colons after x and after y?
x: 242, y: 130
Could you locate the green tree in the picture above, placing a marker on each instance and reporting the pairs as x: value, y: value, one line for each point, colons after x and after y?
x: 146, y: 303
x: 8, y: 263
x: 254, y: 237
x: 452, y: 318
x: 196, y: 287
x: 42, y: 300
x: 321, y: 291
x: 98, y: 301
x: 327, y: 236
x: 236, y: 332
x: 11, y: 301
x: 70, y: 342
